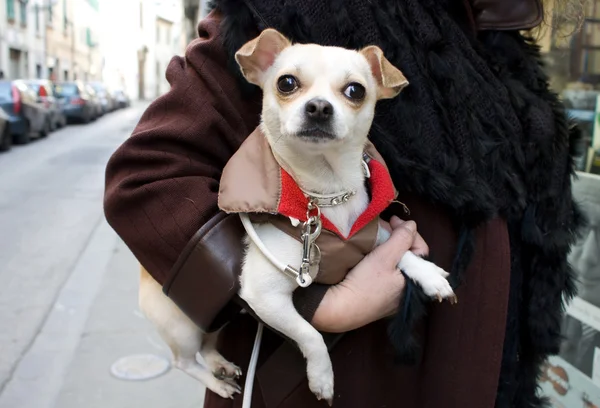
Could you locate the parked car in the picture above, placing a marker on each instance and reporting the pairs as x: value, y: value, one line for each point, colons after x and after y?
x: 121, y: 99
x: 5, y: 136
x: 77, y: 101
x: 27, y: 116
x: 105, y: 98
x: 95, y: 101
x: 45, y: 91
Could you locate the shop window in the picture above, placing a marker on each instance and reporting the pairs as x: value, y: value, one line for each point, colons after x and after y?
x: 572, y: 378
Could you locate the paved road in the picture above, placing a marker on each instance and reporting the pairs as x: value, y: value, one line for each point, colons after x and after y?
x: 68, y: 285
x: 50, y: 202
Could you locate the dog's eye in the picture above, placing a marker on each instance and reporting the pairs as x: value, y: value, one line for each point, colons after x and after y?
x: 355, y: 91
x: 287, y: 84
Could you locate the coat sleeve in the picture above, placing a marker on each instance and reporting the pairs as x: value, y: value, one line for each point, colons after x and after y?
x: 162, y: 183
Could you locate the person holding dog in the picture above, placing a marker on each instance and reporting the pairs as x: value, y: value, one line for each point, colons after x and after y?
x: 478, y: 149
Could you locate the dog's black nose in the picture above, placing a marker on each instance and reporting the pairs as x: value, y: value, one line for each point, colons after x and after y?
x: 318, y: 109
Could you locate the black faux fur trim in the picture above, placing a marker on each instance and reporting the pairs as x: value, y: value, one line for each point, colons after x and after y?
x: 413, y: 309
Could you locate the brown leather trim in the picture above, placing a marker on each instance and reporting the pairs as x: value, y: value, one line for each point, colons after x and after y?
x: 205, y: 277
x: 507, y: 14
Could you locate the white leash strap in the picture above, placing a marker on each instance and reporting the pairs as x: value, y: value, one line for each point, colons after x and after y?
x: 304, y: 280
x: 248, y: 385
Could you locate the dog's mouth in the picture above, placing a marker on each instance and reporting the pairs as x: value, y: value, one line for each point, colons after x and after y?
x: 316, y: 135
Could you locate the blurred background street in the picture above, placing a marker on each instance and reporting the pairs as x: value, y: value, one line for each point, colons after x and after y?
x: 75, y: 77
x: 68, y: 302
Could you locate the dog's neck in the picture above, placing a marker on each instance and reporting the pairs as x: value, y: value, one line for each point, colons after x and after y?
x: 330, y: 172
x: 327, y: 172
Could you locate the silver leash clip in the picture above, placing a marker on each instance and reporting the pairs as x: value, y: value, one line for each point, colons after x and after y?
x: 311, y: 231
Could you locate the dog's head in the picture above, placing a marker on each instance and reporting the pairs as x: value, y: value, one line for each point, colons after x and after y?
x: 314, y: 94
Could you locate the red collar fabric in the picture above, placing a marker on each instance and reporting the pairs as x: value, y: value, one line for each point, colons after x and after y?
x: 293, y: 202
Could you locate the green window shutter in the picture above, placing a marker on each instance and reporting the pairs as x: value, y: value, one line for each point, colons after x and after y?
x: 23, y: 12
x: 10, y: 9
x: 95, y: 4
x: 88, y: 38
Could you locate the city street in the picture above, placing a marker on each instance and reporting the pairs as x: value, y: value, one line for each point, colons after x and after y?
x: 68, y: 292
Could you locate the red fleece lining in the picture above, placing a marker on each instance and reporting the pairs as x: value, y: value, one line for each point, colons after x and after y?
x: 293, y: 202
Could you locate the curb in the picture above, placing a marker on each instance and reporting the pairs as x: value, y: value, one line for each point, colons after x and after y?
x: 38, y: 377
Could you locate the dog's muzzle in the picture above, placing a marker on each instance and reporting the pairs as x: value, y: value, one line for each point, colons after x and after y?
x: 318, y: 114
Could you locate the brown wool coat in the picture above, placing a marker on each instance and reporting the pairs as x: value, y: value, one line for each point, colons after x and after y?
x: 161, y: 197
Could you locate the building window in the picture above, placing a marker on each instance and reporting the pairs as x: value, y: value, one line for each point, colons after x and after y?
x: 37, y: 18
x: 38, y: 71
x: 10, y: 10
x: 89, y: 38
x: 94, y: 4
x: 64, y: 8
x: 23, y: 12
x: 15, y: 63
x: 50, y: 13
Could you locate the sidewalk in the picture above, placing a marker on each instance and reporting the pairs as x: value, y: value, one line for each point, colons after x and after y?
x: 59, y: 373
x: 115, y: 329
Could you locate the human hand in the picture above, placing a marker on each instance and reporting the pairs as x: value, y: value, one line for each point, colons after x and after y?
x: 372, y: 289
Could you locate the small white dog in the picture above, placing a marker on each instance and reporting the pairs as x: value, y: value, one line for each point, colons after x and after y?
x: 318, y: 105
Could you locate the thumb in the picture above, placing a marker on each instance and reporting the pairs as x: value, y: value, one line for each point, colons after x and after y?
x: 401, y: 240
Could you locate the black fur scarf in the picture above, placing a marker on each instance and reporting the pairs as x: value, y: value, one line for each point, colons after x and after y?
x: 478, y: 131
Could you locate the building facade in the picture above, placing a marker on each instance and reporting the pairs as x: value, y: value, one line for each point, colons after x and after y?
x: 21, y: 40
x: 137, y: 62
x: 55, y: 39
x: 163, y: 36
x: 72, y: 30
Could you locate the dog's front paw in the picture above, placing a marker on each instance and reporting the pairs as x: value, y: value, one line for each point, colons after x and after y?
x: 224, y: 388
x: 435, y: 285
x: 226, y: 370
x: 320, y: 381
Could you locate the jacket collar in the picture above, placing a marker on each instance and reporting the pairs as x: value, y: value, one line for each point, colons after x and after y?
x: 253, y: 182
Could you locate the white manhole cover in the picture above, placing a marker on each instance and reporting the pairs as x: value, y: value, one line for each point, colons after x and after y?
x: 140, y: 367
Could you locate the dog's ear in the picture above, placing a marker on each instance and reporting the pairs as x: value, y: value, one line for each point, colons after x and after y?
x: 256, y: 56
x: 390, y: 80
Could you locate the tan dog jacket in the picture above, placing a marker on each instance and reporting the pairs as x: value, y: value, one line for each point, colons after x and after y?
x: 253, y: 182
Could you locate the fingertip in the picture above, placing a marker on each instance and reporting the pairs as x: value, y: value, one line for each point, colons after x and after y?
x: 410, y: 225
x: 395, y: 221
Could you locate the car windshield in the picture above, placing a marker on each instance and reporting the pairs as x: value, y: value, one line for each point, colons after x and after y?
x: 66, y: 89
x: 5, y: 91
x: 35, y: 87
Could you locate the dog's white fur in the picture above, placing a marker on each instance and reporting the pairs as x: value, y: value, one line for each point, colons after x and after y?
x: 325, y: 167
